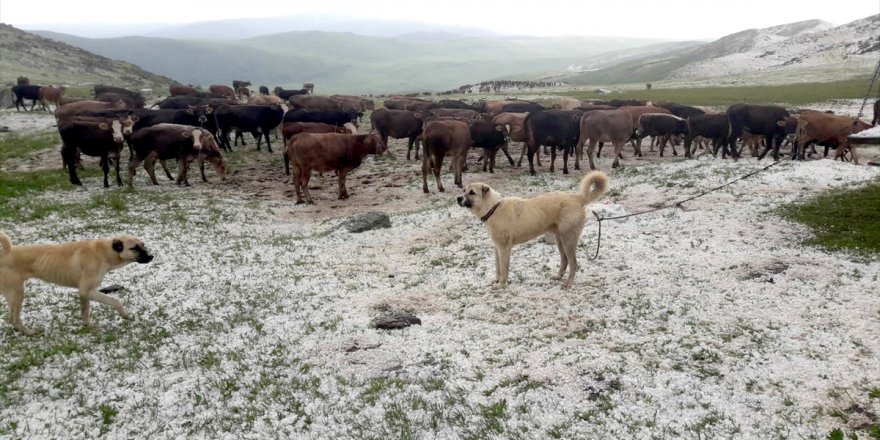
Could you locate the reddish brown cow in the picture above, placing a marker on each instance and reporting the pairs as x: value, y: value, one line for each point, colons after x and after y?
x: 181, y: 90
x: 69, y: 100
x: 515, y: 123
x: 313, y: 102
x: 829, y: 130
x: 51, y: 94
x: 76, y: 108
x: 224, y: 91
x: 613, y: 126
x: 291, y: 129
x: 328, y: 152
x: 442, y: 137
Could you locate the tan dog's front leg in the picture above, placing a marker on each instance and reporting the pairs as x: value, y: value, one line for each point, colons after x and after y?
x: 503, y: 267
x: 89, y: 292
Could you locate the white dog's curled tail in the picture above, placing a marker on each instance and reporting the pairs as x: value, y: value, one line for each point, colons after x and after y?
x: 5, y: 243
x: 596, y: 179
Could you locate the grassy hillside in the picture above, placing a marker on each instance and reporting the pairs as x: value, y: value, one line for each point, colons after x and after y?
x: 348, y: 63
x: 45, y: 61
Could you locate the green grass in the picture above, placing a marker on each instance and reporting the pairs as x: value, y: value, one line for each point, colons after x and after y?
x: 842, y: 219
x: 794, y: 94
x: 15, y: 145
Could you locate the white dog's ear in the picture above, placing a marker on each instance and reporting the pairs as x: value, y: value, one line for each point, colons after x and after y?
x: 485, y: 189
x: 118, y: 246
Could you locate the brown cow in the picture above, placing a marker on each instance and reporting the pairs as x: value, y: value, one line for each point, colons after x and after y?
x: 291, y: 129
x: 569, y: 104
x: 829, y: 130
x: 313, y: 102
x: 328, y: 152
x: 442, y: 137
x: 76, y: 108
x: 515, y: 123
x: 51, y: 94
x: 353, y: 103
x: 70, y: 100
x: 495, y: 107
x: 224, y: 91
x: 267, y: 100
x: 181, y: 90
x: 615, y: 126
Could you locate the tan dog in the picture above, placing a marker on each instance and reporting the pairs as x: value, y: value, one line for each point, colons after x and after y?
x: 79, y: 264
x: 512, y: 220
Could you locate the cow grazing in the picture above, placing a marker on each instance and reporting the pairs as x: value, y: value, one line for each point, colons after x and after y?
x: 336, y: 117
x: 130, y: 102
x: 709, y: 126
x: 26, y: 92
x: 554, y: 128
x: 258, y: 120
x: 613, y: 126
x: 291, y: 129
x: 51, y: 95
x: 680, y: 110
x: 515, y: 125
x: 286, y: 94
x: 490, y: 138
x: 93, y: 136
x: 444, y: 137
x: 328, y: 152
x: 224, y: 91
x: 765, y: 120
x: 398, y: 124
x: 313, y: 102
x: 174, y: 141
x: 662, y: 126
x: 828, y: 130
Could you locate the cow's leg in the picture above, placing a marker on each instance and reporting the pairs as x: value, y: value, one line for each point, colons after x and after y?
x: 68, y: 157
x: 286, y: 163
x: 182, y: 168
x: 343, y: 192
x: 164, y: 166
x: 579, y: 152
x: 105, y: 167
x: 531, y: 155
x: 116, y: 167
x: 566, y: 151
x: 525, y: 148
x: 426, y: 162
x: 202, y: 168
x: 438, y: 167
x: 767, y: 147
x: 33, y: 104
x: 590, y: 149
x: 150, y: 166
x: 305, y: 175
x: 506, y: 153
x: 268, y: 144
x: 296, y: 178
x: 552, y: 158
x: 132, y: 169
x: 687, y: 146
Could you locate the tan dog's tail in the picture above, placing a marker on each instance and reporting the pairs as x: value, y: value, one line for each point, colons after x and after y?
x: 5, y: 243
x: 596, y: 179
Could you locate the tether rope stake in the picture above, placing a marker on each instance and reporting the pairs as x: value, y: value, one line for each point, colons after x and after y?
x: 671, y: 205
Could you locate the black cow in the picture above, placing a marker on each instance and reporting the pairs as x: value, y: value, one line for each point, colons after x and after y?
x: 173, y: 141
x: 130, y: 101
x: 555, y: 128
x: 184, y: 102
x: 763, y: 120
x: 525, y: 107
x: 453, y: 103
x: 135, y: 96
x: 96, y: 137
x: 680, y: 110
x: 715, y: 127
x: 490, y: 138
x: 264, y: 90
x: 286, y: 94
x: 258, y: 120
x: 398, y: 124
x: 661, y: 126
x: 194, y: 117
x: 335, y: 117
x: 621, y: 102
x: 26, y: 92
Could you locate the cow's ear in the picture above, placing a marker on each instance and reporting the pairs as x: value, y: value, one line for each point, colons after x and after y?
x: 190, y: 110
x: 103, y: 126
x: 780, y: 123
x: 134, y: 118
x: 117, y: 245
x: 186, y: 133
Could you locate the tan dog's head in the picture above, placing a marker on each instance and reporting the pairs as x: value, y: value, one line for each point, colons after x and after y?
x: 131, y: 249
x: 478, y: 197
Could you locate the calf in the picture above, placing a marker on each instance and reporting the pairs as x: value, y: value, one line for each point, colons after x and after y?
x: 613, y: 126
x: 489, y: 137
x: 662, y: 126
x: 442, y: 137
x: 258, y: 120
x: 515, y: 124
x: 335, y: 117
x: 828, y: 130
x: 174, y: 141
x: 710, y: 126
x: 765, y: 120
x: 93, y: 136
x: 50, y: 95
x: 554, y: 128
x: 398, y: 124
x: 291, y: 129
x: 26, y: 92
x: 328, y: 152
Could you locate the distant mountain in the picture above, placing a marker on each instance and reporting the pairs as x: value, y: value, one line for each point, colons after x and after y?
x: 801, y: 44
x: 343, y: 62
x: 46, y: 61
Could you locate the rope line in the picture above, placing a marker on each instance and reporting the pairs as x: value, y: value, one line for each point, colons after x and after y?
x: 670, y: 205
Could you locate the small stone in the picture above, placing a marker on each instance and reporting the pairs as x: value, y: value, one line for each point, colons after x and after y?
x: 396, y: 321
x: 365, y: 222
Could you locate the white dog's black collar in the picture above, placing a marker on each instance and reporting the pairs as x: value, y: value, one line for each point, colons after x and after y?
x: 491, y: 211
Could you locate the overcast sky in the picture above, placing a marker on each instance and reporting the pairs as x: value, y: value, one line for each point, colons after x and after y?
x: 672, y: 19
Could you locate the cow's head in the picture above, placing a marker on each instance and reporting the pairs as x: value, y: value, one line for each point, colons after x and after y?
x: 116, y: 127
x: 210, y: 151
x: 375, y: 140
x: 127, y: 123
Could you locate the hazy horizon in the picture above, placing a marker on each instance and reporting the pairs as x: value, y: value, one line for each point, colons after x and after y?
x: 671, y: 20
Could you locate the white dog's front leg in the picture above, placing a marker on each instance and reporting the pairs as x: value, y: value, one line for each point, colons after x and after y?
x: 504, y: 267
x: 497, y: 269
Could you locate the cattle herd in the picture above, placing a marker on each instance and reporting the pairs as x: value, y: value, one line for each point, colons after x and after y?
x: 320, y: 132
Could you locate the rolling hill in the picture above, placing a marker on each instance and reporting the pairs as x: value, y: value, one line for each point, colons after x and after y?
x: 46, y: 61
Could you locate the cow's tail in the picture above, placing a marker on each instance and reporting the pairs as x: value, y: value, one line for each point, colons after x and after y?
x: 599, y: 183
x: 5, y: 243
